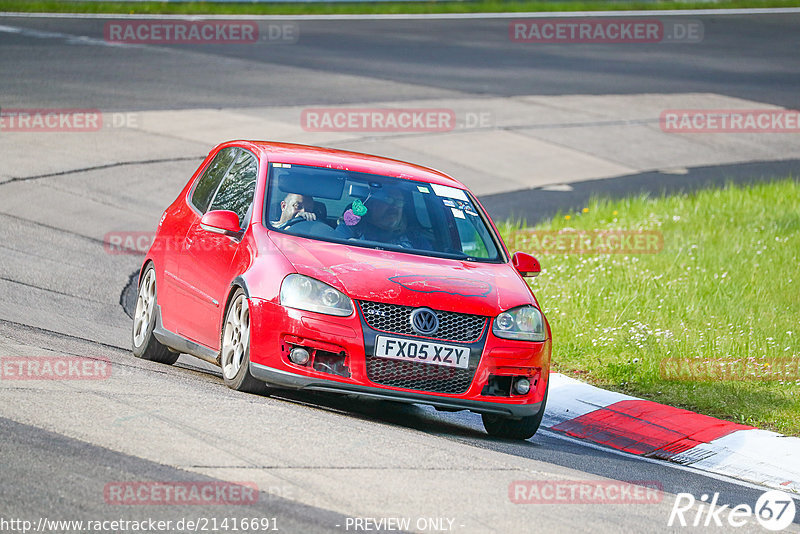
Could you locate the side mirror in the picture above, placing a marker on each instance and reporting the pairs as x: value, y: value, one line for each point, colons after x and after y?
x: 526, y: 264
x: 221, y: 222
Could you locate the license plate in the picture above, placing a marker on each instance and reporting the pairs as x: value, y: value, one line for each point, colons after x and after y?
x: 422, y: 351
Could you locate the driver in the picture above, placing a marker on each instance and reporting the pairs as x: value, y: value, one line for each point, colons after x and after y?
x: 294, y: 206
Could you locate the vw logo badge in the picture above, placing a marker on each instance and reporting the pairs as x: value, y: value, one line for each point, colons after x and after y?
x: 424, y: 321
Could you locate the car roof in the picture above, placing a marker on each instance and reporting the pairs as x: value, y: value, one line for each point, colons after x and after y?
x: 352, y: 161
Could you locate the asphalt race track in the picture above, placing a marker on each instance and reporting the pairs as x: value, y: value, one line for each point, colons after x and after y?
x: 319, y: 462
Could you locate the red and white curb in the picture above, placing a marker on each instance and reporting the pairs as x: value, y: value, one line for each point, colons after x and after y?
x: 656, y: 430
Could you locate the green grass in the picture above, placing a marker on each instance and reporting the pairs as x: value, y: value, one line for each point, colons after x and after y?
x: 288, y: 8
x: 725, y: 285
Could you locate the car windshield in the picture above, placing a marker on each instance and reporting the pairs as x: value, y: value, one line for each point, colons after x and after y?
x: 379, y: 212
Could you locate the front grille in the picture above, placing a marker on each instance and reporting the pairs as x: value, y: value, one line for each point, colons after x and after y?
x: 418, y: 376
x: 393, y: 318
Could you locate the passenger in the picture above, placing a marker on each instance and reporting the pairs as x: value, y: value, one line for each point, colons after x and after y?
x: 384, y: 222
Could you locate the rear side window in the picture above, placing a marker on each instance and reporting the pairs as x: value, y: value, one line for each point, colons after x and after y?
x: 238, y: 187
x: 209, y: 182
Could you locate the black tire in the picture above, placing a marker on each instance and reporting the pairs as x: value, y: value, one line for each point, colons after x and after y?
x: 234, y: 357
x: 499, y: 426
x: 144, y: 344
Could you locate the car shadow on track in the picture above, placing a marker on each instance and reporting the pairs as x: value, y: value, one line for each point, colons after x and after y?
x: 463, y: 425
x: 401, y: 414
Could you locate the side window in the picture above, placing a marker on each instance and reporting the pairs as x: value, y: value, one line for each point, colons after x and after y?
x: 471, y: 242
x: 209, y: 182
x: 238, y: 187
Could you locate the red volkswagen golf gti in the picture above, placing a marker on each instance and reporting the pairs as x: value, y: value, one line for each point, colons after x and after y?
x: 315, y: 269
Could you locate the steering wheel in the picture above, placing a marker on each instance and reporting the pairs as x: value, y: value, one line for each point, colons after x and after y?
x: 292, y: 222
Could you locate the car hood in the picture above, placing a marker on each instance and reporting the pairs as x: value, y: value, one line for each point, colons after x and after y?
x: 408, y: 279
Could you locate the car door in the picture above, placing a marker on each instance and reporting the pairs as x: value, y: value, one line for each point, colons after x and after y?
x: 184, y: 213
x: 206, y: 259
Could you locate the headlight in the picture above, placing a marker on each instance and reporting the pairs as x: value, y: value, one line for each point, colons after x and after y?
x: 525, y: 322
x: 306, y: 293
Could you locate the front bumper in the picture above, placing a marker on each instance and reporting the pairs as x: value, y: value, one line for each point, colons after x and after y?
x: 276, y: 329
x: 287, y: 380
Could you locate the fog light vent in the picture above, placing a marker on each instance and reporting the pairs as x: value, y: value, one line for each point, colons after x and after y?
x: 522, y: 386
x: 299, y: 356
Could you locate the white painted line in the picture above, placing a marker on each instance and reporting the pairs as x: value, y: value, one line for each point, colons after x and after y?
x: 757, y: 455
x: 431, y: 16
x: 70, y: 39
x: 696, y: 471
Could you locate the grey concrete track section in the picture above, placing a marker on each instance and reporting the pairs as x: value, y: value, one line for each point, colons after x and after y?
x: 574, y: 117
x: 751, y: 57
x: 526, y: 115
x: 73, y: 488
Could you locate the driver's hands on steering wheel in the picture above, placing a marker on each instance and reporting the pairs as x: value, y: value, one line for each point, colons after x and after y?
x: 303, y: 216
x: 307, y: 215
